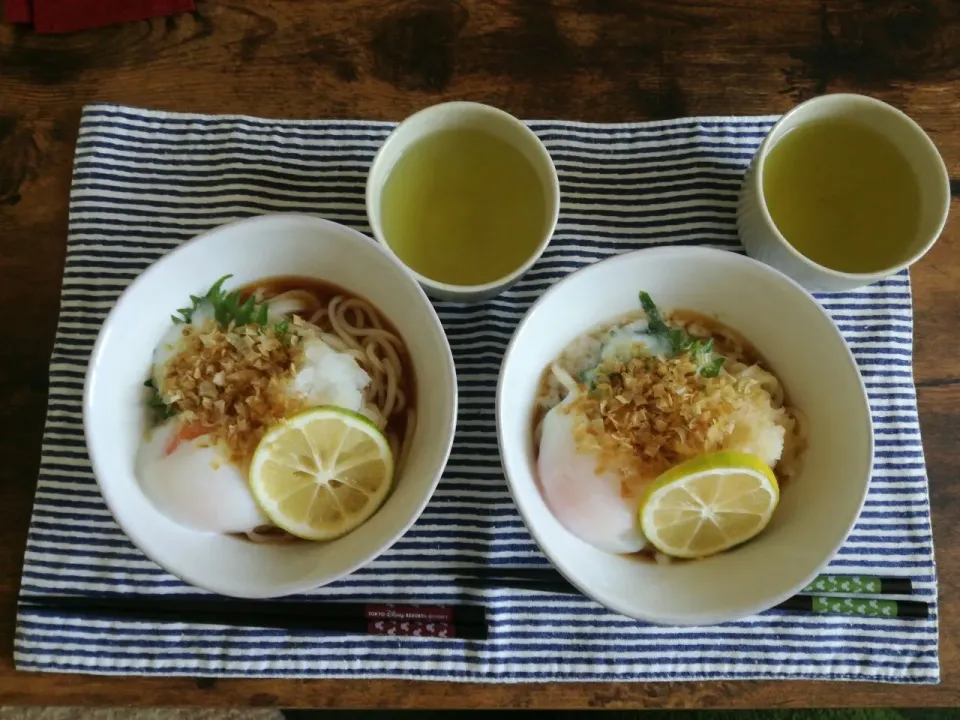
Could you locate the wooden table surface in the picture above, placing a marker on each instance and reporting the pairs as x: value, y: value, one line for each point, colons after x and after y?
x: 598, y: 60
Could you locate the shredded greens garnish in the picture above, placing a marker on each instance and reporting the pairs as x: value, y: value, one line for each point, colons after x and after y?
x: 681, y: 342
x: 155, y: 403
x: 712, y: 368
x: 230, y: 308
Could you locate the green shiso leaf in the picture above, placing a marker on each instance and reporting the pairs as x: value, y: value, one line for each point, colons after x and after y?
x: 679, y: 341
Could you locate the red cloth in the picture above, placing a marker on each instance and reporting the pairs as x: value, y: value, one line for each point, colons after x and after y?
x: 18, y: 11
x: 62, y: 16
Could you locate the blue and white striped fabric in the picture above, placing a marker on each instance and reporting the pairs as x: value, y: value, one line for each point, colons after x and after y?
x: 146, y: 181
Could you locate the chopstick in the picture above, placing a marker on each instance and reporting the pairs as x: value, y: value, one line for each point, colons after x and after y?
x: 848, y: 584
x: 548, y: 580
x: 860, y: 585
x: 858, y: 606
x: 467, y: 622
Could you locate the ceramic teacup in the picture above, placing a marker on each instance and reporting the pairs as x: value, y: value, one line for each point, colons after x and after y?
x: 759, y: 233
x: 474, y: 116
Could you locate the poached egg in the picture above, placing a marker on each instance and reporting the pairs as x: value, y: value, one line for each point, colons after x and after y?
x: 588, y: 503
x: 193, y: 484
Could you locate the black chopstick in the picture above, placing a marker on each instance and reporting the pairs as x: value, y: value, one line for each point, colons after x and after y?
x: 858, y: 585
x: 856, y: 606
x: 525, y: 573
x: 460, y: 621
x: 309, y: 609
x: 824, y: 584
x: 520, y: 583
x: 547, y: 580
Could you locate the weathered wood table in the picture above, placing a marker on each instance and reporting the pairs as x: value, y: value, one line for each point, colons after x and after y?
x: 596, y: 60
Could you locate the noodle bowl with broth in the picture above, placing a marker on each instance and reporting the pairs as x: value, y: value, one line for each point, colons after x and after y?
x: 818, y: 402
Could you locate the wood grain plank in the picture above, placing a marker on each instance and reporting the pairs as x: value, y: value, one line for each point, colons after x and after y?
x: 594, y: 60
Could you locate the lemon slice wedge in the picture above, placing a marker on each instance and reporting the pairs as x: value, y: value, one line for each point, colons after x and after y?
x: 709, y: 504
x: 321, y: 473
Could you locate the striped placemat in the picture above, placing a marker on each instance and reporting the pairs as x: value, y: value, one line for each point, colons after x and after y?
x: 146, y: 181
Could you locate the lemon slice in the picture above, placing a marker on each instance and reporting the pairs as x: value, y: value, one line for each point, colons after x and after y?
x: 709, y: 504
x: 321, y: 473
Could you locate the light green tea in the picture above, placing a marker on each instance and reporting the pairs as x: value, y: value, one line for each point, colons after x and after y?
x: 843, y: 195
x: 463, y: 207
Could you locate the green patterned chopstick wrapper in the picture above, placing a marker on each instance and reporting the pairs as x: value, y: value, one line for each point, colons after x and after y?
x: 860, y: 607
x: 859, y: 585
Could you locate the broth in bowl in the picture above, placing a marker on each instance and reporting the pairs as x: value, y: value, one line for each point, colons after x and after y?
x: 635, y: 398
x: 235, y: 365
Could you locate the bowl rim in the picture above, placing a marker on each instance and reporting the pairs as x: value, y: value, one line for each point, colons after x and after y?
x: 111, y: 500
x: 615, y: 604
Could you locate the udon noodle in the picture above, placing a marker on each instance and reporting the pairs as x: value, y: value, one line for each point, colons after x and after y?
x: 631, y: 400
x: 353, y: 326
x: 742, y: 360
x: 234, y: 366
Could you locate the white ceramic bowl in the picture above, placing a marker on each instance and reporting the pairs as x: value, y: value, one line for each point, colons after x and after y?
x: 253, y: 249
x: 805, y: 350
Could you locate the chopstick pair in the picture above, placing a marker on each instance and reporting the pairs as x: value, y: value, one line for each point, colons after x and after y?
x: 827, y: 603
x: 466, y: 622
